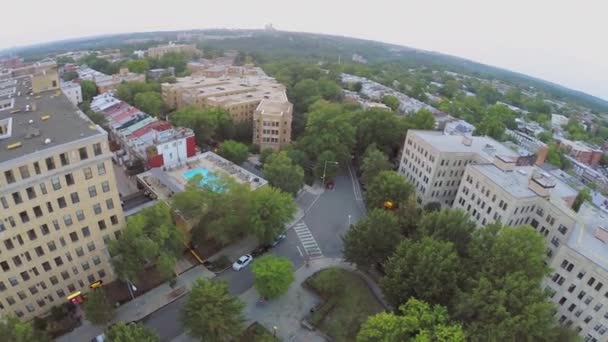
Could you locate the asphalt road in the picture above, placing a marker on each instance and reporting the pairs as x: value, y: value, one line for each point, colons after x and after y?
x: 327, y: 218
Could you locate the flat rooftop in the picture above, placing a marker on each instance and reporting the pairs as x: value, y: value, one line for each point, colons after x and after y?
x: 165, y: 182
x: 36, y: 118
x: 583, y: 238
x: 484, y: 146
x: 516, y: 182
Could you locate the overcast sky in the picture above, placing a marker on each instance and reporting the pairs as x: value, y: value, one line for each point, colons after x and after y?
x: 563, y: 41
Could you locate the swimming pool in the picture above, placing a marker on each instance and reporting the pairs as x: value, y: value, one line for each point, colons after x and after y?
x: 208, y: 177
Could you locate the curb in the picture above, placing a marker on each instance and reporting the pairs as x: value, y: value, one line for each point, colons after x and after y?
x: 169, y: 302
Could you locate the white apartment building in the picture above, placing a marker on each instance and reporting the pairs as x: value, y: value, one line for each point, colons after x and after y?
x: 579, y: 280
x: 435, y: 162
x: 72, y: 91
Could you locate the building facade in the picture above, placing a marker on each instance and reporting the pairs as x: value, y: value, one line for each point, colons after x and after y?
x: 72, y: 91
x: 161, y: 50
x: 59, y: 200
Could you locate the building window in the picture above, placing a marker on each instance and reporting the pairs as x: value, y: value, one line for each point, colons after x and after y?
x: 69, y: 179
x: 51, y: 245
x: 11, y: 301
x: 49, y: 207
x: 83, y: 153
x: 97, y: 208
x: 64, y: 159
x: 37, y: 168
x: 105, y: 186
x: 91, y: 246
x: 58, y: 261
x: 4, y: 202
x: 110, y: 204
x: 67, y: 219
x: 101, y: 169
x: 86, y: 232
x: 43, y: 188
x: 97, y: 149
x: 74, y: 197
x: 591, y: 281
x: 85, y: 266
x: 8, y: 243
x: 102, y: 225
x: 96, y: 260
x: 65, y: 275
x: 562, y: 229
x: 92, y: 191
x: 17, y: 197
x: 29, y: 307
x: 79, y: 251
x: 61, y: 202
x: 114, y: 220
x: 31, y: 193
x: 74, y: 236
x: 25, y: 276
x: 56, y: 183
x: 13, y: 281
x: 32, y: 235
x: 24, y: 217
x: 10, y: 177
x: 37, y: 211
x: 17, y: 261
x: 88, y: 174
x: 80, y: 215
x: 101, y: 273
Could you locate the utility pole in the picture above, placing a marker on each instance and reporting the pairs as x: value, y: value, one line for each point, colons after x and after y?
x: 325, y: 169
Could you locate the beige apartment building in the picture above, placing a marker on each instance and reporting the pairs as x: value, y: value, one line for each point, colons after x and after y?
x: 161, y: 50
x: 435, y: 162
x: 578, y: 283
x: 58, y: 197
x: 257, y: 99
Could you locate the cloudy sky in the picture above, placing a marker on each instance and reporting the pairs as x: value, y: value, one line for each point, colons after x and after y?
x: 563, y: 41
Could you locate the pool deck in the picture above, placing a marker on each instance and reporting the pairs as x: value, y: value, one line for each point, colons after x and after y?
x: 166, y: 181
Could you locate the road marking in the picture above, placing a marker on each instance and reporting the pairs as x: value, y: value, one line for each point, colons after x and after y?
x: 356, y: 188
x: 300, y: 251
x: 311, y: 204
x: 307, y: 240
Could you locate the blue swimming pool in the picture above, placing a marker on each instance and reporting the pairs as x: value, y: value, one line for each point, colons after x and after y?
x: 208, y: 177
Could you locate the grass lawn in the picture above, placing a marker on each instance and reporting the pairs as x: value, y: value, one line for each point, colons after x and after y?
x: 349, y: 303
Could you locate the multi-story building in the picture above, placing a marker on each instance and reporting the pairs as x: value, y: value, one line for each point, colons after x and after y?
x: 581, y: 151
x: 72, y: 91
x: 59, y: 199
x: 161, y: 50
x: 579, y: 280
x: 258, y: 99
x: 114, y: 81
x: 435, y: 162
x: 530, y: 144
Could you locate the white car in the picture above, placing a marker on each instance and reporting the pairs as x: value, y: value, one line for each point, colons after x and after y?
x: 242, y: 262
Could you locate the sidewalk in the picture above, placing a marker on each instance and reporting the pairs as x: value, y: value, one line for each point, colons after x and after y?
x: 143, y: 305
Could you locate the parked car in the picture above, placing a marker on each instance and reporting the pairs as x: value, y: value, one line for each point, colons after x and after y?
x: 99, y: 338
x: 242, y: 262
x: 278, y: 240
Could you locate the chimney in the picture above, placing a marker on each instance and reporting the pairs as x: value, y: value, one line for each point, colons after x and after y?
x: 541, y: 183
x: 467, y: 141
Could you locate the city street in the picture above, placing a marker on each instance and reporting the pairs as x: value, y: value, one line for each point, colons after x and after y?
x: 326, y: 219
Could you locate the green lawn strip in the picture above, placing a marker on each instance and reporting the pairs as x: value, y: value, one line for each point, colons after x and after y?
x: 349, y: 302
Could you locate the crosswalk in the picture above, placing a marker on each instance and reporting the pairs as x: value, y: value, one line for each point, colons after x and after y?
x: 308, y: 241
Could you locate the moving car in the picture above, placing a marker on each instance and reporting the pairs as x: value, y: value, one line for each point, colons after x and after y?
x: 242, y: 262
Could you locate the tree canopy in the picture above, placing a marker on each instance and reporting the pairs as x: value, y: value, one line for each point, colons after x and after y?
x: 373, y: 239
x: 210, y: 313
x: 122, y: 332
x: 14, y: 330
x: 453, y: 225
x: 234, y: 151
x: 138, y: 66
x: 391, y: 101
x: 415, y: 321
x: 148, y: 236
x: 209, y: 124
x: 388, y: 186
x: 271, y: 210
x: 149, y: 102
x: 89, y: 90
x: 282, y: 173
x: 583, y: 196
x: 374, y: 162
x: 272, y: 275
x: 98, y: 308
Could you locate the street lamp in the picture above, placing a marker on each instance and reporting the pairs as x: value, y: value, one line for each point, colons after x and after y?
x: 131, y: 288
x: 348, y: 221
x: 325, y: 169
x: 274, y: 331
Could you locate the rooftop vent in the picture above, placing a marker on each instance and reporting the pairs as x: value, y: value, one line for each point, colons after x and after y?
x: 601, y: 233
x: 47, y: 141
x: 467, y: 141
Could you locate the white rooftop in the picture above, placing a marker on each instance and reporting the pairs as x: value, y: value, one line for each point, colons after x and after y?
x: 583, y: 238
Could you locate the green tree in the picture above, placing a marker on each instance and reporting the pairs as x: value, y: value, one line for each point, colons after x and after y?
x: 496, y: 120
x: 304, y: 94
x: 453, y: 225
x: 234, y: 151
x: 282, y: 173
x: 488, y: 94
x: 373, y: 239
x: 148, y: 236
x: 98, y: 308
x: 122, y: 332
x: 68, y: 76
x: 326, y: 167
x: 272, y: 275
x: 427, y: 269
x: 422, y: 119
x: 209, y: 124
x: 138, y: 66
x: 391, y: 101
x: 415, y: 321
x: 374, y: 162
x: 89, y: 90
x: 409, y: 215
x: 450, y: 89
x: 387, y: 186
x: 546, y: 136
x: 271, y: 211
x: 583, y: 195
x: 557, y: 157
x: 127, y: 91
x: 14, y: 330
x: 211, y: 313
x: 149, y: 102
x: 503, y: 299
x: 328, y: 128
x: 380, y: 127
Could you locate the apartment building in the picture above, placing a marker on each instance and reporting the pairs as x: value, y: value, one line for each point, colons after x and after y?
x: 579, y: 280
x: 72, y: 91
x: 257, y: 99
x: 161, y: 50
x: 435, y: 162
x: 59, y: 198
x: 516, y: 196
x: 581, y: 151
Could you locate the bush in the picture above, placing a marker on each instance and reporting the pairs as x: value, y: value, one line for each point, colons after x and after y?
x: 322, y: 311
x: 327, y: 282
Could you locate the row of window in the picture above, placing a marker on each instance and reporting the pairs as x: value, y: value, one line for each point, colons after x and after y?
x: 50, y: 163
